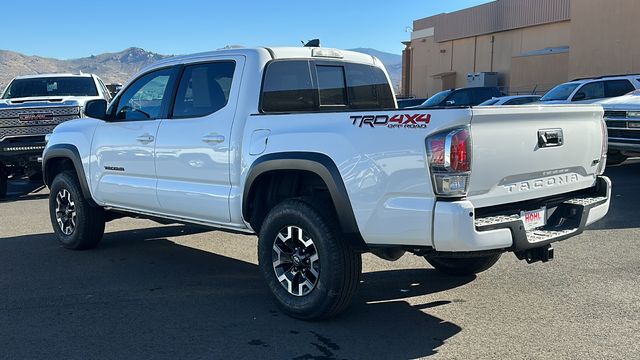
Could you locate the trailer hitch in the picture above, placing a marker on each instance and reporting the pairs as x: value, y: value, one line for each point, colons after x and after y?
x: 543, y: 254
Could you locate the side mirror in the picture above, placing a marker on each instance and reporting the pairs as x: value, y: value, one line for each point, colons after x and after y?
x: 579, y: 96
x: 450, y: 102
x: 96, y: 109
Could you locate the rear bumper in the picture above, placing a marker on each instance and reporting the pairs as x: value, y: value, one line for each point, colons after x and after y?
x: 458, y: 227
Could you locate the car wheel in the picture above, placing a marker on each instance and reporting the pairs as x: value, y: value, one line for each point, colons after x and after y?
x: 77, y: 223
x: 310, y: 269
x: 462, y: 266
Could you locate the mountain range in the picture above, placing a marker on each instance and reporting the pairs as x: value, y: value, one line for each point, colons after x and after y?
x: 119, y: 66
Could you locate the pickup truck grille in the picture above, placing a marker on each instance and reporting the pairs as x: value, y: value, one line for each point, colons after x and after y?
x: 624, y: 134
x: 11, y: 124
x: 615, y: 114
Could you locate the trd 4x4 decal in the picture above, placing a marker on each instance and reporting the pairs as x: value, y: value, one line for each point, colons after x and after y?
x: 408, y: 121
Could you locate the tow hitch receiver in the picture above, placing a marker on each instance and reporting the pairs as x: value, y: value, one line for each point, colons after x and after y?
x: 544, y: 254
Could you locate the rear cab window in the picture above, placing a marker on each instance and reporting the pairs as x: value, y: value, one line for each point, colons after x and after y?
x: 616, y: 88
x: 310, y: 85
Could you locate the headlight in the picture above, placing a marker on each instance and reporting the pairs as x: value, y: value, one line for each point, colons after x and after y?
x: 47, y: 137
x: 633, y: 114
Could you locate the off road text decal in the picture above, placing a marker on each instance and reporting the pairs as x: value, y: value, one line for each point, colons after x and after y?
x: 407, y: 121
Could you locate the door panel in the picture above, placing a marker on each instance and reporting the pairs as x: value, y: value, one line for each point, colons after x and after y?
x: 192, y: 150
x: 125, y: 164
x: 124, y: 173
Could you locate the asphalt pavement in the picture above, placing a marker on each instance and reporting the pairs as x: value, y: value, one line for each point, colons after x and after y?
x: 184, y: 292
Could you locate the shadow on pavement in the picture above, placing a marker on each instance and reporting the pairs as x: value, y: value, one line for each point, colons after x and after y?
x: 139, y: 295
x: 625, y: 197
x: 23, y: 189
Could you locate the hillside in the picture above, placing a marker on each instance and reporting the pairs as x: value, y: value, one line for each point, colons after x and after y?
x: 119, y: 66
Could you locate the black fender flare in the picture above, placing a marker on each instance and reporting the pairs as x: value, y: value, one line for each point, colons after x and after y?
x: 319, y: 164
x: 66, y: 151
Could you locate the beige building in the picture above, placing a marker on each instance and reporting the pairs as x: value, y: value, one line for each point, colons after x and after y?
x: 532, y: 44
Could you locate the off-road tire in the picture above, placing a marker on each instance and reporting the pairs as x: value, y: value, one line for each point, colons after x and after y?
x: 462, y: 266
x: 340, y: 265
x: 89, y: 219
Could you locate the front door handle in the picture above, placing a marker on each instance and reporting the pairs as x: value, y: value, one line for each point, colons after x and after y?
x: 145, y: 139
x: 213, y: 139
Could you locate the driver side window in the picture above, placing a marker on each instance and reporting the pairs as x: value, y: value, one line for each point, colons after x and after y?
x: 143, y: 100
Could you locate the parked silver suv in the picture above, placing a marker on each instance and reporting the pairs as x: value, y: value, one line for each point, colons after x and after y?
x: 591, y: 90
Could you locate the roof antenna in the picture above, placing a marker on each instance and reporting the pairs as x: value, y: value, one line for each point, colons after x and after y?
x: 312, y: 43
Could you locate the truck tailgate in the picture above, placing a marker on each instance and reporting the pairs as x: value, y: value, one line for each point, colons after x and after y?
x: 528, y: 152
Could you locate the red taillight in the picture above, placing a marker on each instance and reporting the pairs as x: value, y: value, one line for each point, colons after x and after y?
x: 449, y: 156
x: 460, y: 151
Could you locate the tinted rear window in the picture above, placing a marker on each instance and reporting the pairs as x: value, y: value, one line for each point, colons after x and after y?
x: 331, y: 84
x: 288, y: 87
x: 51, y: 86
x: 301, y: 85
x: 618, y: 88
x: 368, y: 88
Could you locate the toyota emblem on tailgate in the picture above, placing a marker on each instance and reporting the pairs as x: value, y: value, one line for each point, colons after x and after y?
x: 550, y: 138
x: 35, y: 117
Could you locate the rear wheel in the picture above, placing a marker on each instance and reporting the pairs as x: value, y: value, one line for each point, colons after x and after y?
x: 77, y: 224
x: 311, y: 271
x: 462, y: 266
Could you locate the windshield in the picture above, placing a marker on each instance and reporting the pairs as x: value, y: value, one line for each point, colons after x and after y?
x: 490, y: 102
x: 560, y: 92
x: 51, y: 86
x: 436, y: 99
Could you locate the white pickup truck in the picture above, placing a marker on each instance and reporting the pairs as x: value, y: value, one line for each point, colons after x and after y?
x: 306, y: 148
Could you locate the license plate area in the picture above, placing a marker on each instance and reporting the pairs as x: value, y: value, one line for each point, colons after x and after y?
x: 534, y: 219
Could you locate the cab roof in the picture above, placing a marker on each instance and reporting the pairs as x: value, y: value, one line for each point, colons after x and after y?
x: 38, y: 76
x: 272, y: 53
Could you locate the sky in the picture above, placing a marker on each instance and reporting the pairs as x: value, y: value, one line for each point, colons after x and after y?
x: 67, y: 29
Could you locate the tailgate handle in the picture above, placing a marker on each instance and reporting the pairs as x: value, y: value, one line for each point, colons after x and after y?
x: 550, y: 138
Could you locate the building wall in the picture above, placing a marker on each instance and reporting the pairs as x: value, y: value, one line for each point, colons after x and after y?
x: 538, y: 72
x: 604, y: 37
x: 489, y: 52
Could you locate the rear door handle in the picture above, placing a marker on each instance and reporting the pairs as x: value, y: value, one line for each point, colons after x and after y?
x: 213, y: 139
x: 145, y: 139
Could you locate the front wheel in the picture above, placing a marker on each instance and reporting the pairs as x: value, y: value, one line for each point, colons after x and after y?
x: 77, y: 224
x: 462, y: 266
x: 310, y: 269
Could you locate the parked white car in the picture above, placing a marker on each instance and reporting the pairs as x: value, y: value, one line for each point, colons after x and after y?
x: 303, y: 147
x: 511, y: 100
x: 588, y: 91
x: 622, y: 115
